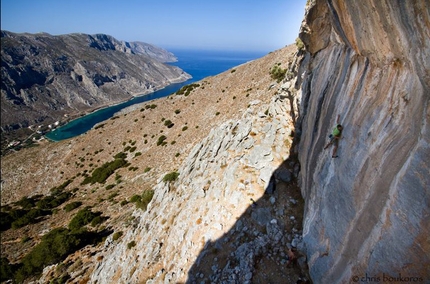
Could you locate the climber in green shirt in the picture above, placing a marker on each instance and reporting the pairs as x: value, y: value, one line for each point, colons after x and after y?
x: 335, y: 137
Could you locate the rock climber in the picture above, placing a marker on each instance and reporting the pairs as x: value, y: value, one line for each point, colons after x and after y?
x: 292, y: 258
x: 335, y: 136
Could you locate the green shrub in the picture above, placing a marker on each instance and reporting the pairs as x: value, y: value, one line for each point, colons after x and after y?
x: 112, y: 195
x: 54, y: 247
x: 184, y: 128
x: 73, y: 205
x: 26, y: 203
x: 161, y: 140
x: 131, y: 244
x: 147, y: 169
x: 117, y: 235
x: 150, y: 106
x: 135, y: 198
x: 277, y: 73
x: 102, y: 173
x: 7, y: 269
x: 171, y: 177
x: 168, y: 123
x: 178, y: 111
x: 30, y: 217
x: 145, y: 198
x: 138, y: 154
x: 299, y: 43
x: 110, y: 186
x: 97, y: 220
x: 186, y: 90
x: 7, y: 218
x: 82, y: 218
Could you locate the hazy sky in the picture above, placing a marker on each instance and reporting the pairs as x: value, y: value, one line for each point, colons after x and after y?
x: 257, y: 25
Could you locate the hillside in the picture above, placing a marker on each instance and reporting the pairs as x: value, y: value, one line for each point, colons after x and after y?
x: 45, y: 77
x: 239, y: 112
x: 216, y: 183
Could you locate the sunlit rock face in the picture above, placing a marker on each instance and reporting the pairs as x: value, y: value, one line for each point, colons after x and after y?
x: 367, y: 211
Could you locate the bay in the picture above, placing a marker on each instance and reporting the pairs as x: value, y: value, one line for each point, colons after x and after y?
x: 198, y: 63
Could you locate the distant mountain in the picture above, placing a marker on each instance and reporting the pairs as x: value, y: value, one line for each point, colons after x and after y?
x: 45, y: 77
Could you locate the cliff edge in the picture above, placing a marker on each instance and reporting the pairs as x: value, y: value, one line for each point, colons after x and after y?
x: 367, y: 211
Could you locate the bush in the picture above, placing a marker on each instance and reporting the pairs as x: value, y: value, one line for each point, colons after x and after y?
x: 117, y: 235
x: 143, y: 200
x: 161, y: 140
x: 69, y: 207
x: 186, y: 90
x: 278, y: 73
x: 171, y: 177
x: 102, y: 173
x: 131, y: 244
x: 7, y: 270
x: 178, y: 111
x: 54, y: 247
x: 82, y: 218
x: 168, y: 123
x: 29, y: 218
x: 146, y: 197
x: 26, y: 203
x: 135, y: 198
x: 299, y: 43
x: 97, y: 220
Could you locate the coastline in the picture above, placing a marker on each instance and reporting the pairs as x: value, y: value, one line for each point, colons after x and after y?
x: 140, y: 97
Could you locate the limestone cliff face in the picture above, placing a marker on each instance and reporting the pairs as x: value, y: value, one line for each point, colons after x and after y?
x: 367, y: 212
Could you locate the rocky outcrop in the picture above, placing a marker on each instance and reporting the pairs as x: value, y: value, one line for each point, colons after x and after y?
x: 207, y: 212
x: 367, y: 211
x: 45, y: 77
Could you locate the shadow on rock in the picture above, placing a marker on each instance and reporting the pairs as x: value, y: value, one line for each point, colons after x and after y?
x: 265, y: 244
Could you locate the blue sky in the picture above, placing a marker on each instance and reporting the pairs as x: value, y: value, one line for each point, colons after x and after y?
x: 253, y: 25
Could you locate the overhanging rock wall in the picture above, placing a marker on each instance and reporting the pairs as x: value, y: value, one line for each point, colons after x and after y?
x: 368, y: 211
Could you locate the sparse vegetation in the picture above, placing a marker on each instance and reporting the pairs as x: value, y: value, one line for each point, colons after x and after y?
x: 168, y: 123
x: 131, y: 244
x: 299, y: 43
x: 117, y: 235
x: 102, y: 173
x: 161, y: 140
x: 172, y: 176
x: 142, y: 200
x: 54, y: 247
x: 73, y: 205
x: 278, y: 73
x: 82, y: 218
x: 186, y: 90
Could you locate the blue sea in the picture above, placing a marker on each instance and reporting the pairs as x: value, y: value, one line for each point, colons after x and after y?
x: 198, y: 63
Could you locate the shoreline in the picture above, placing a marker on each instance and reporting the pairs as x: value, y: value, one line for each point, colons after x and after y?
x: 77, y: 116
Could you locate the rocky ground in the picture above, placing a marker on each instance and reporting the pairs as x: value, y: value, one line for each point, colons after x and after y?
x: 242, y: 92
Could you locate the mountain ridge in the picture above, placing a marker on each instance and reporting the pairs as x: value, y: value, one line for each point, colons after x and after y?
x: 46, y: 77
